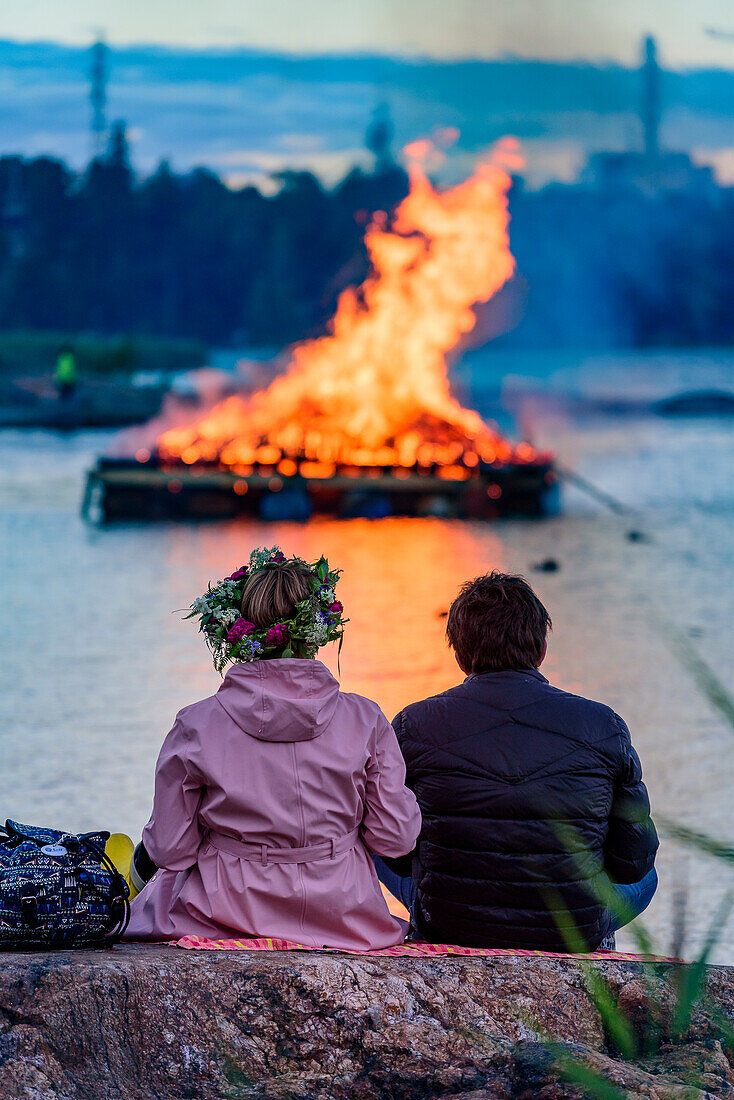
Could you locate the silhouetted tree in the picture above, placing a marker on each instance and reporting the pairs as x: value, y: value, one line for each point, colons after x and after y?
x: 185, y: 255
x: 379, y: 136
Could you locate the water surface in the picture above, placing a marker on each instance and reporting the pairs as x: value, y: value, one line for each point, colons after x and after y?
x: 95, y: 661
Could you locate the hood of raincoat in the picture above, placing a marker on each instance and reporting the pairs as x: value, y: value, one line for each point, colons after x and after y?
x: 281, y: 700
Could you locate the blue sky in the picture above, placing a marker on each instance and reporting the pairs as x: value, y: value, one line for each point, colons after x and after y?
x: 440, y: 28
x: 248, y: 114
x: 249, y: 87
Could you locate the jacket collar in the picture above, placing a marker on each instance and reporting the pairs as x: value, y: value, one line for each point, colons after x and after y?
x: 508, y: 673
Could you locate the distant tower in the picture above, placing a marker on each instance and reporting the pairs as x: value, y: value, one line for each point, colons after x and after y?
x: 650, y: 99
x: 378, y: 138
x: 98, y: 97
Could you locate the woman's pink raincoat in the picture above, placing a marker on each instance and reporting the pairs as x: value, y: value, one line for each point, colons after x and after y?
x: 269, y: 798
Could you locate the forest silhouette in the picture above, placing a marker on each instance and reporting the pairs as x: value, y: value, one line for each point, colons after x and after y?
x: 184, y: 255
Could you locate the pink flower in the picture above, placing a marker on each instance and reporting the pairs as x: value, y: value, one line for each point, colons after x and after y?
x: 336, y: 607
x: 238, y: 629
x: 276, y: 635
x: 238, y: 574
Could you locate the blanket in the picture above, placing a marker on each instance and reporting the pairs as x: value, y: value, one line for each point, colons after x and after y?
x: 411, y: 947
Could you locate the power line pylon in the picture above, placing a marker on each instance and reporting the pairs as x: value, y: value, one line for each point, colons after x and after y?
x: 98, y: 97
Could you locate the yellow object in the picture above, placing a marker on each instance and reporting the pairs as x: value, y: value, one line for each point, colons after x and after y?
x: 397, y: 909
x: 119, y: 848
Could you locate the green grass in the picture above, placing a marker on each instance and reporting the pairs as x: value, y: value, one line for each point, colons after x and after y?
x: 689, y: 980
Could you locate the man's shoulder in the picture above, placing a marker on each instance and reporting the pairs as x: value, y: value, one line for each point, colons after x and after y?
x: 423, y: 709
x: 544, y: 706
x: 582, y: 706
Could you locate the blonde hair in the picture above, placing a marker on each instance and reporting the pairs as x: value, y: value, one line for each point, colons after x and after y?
x: 270, y: 595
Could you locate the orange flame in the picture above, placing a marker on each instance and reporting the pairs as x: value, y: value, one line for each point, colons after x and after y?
x: 375, y: 392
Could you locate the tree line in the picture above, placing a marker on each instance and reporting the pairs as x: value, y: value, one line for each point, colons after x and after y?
x: 183, y: 255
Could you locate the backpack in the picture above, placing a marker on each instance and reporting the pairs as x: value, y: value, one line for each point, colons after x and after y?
x: 58, y: 890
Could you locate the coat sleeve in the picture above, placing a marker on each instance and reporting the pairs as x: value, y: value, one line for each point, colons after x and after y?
x: 631, y: 841
x: 173, y: 834
x: 391, y: 820
x: 403, y: 865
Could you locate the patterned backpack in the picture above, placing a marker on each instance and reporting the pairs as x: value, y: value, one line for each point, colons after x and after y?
x: 58, y: 890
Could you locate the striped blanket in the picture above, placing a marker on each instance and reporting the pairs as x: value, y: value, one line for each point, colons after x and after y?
x: 413, y: 948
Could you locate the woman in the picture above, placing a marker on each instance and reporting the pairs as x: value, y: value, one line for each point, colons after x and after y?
x: 271, y: 795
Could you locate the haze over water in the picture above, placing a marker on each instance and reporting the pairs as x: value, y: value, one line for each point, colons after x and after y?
x: 95, y: 664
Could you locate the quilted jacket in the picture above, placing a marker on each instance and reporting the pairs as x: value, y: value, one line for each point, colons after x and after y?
x: 527, y: 794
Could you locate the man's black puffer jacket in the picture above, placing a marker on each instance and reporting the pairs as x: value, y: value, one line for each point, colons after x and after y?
x: 510, y: 773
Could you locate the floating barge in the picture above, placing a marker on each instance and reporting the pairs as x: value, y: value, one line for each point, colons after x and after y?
x: 128, y: 490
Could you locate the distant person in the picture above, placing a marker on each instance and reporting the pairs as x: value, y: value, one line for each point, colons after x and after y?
x: 530, y: 796
x: 66, y: 377
x: 271, y: 795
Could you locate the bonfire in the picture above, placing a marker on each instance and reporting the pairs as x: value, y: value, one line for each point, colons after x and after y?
x: 373, y: 393
x: 362, y: 420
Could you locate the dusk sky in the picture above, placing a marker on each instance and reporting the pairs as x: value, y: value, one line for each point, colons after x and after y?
x: 275, y: 101
x: 441, y: 28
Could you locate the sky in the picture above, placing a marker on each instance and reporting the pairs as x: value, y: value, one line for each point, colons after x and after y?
x: 301, y: 79
x: 439, y: 28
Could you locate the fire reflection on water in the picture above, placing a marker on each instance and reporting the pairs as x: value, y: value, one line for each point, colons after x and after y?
x: 400, y: 575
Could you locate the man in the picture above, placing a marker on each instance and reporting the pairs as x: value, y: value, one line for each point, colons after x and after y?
x: 536, y: 823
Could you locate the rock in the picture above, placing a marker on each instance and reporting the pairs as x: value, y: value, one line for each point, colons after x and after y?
x: 141, y: 1021
x: 697, y: 403
x: 548, y: 565
x: 97, y: 403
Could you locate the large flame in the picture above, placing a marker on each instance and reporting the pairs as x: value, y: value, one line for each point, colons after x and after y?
x: 374, y: 392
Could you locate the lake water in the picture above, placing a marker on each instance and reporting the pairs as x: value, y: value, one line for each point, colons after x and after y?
x: 95, y: 662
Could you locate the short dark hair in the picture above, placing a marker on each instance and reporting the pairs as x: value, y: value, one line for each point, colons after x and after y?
x: 497, y: 622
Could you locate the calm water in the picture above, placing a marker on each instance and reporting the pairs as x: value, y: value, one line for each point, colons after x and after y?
x: 95, y: 661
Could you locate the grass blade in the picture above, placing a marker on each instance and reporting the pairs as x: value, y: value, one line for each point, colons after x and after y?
x: 578, y: 1073
x: 615, y: 1023
x: 709, y: 845
x: 692, y: 977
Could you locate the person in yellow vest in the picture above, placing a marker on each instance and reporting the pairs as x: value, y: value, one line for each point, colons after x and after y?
x: 66, y: 377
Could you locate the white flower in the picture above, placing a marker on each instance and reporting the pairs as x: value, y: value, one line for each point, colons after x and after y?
x: 261, y: 555
x: 318, y: 631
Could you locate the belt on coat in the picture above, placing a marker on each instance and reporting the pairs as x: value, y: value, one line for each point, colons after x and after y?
x: 264, y: 853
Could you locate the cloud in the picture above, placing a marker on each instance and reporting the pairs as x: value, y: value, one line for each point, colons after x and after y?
x: 721, y: 160
x: 247, y: 112
x: 254, y: 164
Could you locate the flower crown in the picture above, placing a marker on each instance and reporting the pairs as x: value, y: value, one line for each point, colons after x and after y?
x: 316, y: 620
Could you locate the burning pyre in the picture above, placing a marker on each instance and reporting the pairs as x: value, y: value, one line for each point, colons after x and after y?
x: 371, y: 399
